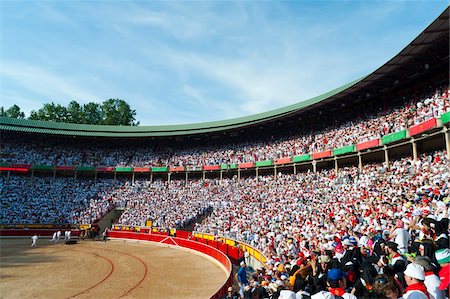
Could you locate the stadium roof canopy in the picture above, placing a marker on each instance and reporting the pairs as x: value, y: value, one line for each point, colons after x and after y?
x: 428, y: 51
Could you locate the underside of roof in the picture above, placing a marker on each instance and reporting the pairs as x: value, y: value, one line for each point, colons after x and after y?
x: 426, y: 52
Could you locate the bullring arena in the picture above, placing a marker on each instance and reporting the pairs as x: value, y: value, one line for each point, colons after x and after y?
x: 345, y: 194
x: 115, y: 269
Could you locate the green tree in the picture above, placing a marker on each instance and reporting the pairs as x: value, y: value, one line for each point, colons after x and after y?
x: 51, y: 112
x: 118, y: 112
x: 75, y: 113
x: 92, y: 114
x: 13, y: 112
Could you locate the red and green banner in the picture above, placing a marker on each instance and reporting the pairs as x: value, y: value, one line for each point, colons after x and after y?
x: 212, y: 167
x: 321, y: 155
x: 85, y: 168
x: 301, y: 158
x: 160, y: 169
x: 264, y: 163
x: 344, y: 150
x: 65, y: 168
x: 422, y: 127
x: 445, y: 117
x: 124, y: 169
x: 141, y: 169
x: 177, y: 168
x: 246, y: 165
x: 14, y: 169
x: 43, y: 167
x: 105, y: 169
x: 282, y: 161
x: 393, y: 137
x: 368, y: 144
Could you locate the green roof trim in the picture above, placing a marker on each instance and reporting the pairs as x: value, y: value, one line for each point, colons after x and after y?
x: 160, y: 169
x: 47, y: 127
x: 42, y: 167
x: 85, y: 168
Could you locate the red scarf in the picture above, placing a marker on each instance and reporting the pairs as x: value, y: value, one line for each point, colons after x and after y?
x: 337, y: 291
x: 418, y: 287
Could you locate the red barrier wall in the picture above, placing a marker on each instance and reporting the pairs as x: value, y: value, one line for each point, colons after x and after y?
x: 283, y: 161
x: 321, y: 155
x: 247, y: 165
x: 185, y: 243
x: 141, y: 169
x: 368, y: 144
x: 426, y: 125
x: 211, y: 167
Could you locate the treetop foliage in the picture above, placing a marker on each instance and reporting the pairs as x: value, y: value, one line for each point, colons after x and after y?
x: 110, y: 112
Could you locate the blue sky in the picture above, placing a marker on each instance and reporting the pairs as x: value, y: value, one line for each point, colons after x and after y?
x: 195, y: 61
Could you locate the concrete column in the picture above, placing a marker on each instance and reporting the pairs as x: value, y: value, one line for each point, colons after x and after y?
x: 168, y: 177
x: 115, y: 176
x: 32, y: 175
x: 314, y: 165
x: 336, y: 166
x: 275, y: 171
x: 414, y: 149
x: 386, y: 157
x: 8, y: 174
x: 257, y: 172
x: 75, y: 176
x: 151, y: 177
x: 95, y: 177
x: 447, y: 141
x: 239, y: 174
x: 132, y: 179
x: 295, y: 168
x: 360, y: 165
x: 221, y: 174
x: 187, y: 177
x: 54, y: 173
x: 204, y: 175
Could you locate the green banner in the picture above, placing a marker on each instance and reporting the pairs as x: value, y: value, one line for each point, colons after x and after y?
x: 43, y: 167
x: 233, y: 166
x: 264, y: 163
x: 224, y: 166
x: 445, y: 118
x: 301, y: 158
x: 344, y: 150
x: 85, y: 168
x: 124, y: 169
x: 4, y: 164
x: 393, y: 137
x: 160, y: 169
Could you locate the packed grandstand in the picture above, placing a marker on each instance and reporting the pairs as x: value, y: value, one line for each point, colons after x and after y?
x: 302, y: 192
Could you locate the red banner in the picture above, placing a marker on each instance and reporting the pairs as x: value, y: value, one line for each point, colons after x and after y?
x: 247, y: 165
x: 211, y: 167
x: 177, y: 169
x: 27, y: 166
x: 368, y: 144
x: 141, y: 169
x: 422, y: 127
x: 105, y: 169
x: 321, y: 155
x: 14, y: 169
x: 65, y: 168
x: 283, y: 161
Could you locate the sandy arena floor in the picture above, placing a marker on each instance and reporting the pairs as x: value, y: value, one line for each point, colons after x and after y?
x: 115, y: 269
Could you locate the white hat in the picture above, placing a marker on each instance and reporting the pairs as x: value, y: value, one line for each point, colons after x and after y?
x: 415, y: 271
x: 242, y: 264
x: 322, y: 295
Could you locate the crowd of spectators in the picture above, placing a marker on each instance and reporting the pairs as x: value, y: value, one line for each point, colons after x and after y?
x: 332, y: 134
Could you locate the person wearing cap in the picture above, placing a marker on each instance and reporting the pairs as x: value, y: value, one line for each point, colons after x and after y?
x: 432, y: 281
x: 414, y: 278
x: 241, y: 277
x: 337, y: 283
x: 401, y: 236
x: 443, y: 258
